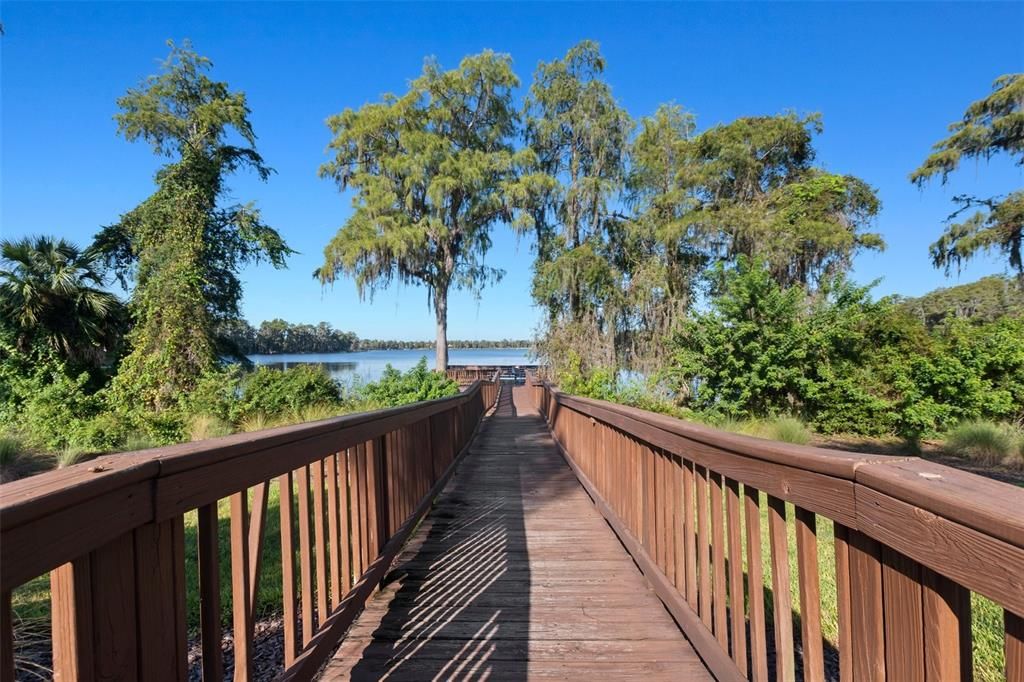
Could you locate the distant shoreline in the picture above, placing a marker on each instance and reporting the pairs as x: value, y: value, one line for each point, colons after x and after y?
x: 390, y: 350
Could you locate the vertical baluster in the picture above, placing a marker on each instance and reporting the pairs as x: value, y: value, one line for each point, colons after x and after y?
x: 334, y: 553
x: 365, y: 556
x: 755, y: 585
x: 345, y: 521
x: 785, y: 663
x: 678, y: 534
x: 703, y: 551
x: 242, y: 613
x: 286, y: 502
x: 319, y: 538
x: 947, y: 619
x: 690, y: 538
x: 843, y: 598
x: 355, y: 493
x: 718, y: 561
x: 903, y: 617
x: 734, y: 525
x: 305, y: 554
x: 373, y: 529
x: 810, y: 595
x: 6, y: 638
x: 866, y: 617
x: 1013, y: 627
x: 160, y: 595
x: 209, y: 592
x: 257, y: 526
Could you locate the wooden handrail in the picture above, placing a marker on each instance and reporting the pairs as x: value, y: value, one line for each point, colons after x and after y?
x: 111, y: 533
x: 913, y: 540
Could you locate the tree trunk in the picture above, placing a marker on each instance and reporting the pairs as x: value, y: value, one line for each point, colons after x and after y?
x: 441, y: 311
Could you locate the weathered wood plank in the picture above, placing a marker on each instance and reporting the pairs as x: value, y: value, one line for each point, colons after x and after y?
x: 515, y: 569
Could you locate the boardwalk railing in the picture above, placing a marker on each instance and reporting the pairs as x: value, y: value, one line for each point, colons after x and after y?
x: 912, y: 541
x: 465, y: 374
x: 111, y: 532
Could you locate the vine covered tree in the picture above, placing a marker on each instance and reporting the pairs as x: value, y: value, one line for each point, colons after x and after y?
x: 51, y: 292
x: 990, y: 126
x: 182, y: 248
x: 433, y: 171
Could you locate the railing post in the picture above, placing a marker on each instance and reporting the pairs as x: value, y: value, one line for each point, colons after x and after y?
x: 119, y: 612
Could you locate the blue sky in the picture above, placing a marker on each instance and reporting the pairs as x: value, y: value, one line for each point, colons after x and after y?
x: 888, y: 79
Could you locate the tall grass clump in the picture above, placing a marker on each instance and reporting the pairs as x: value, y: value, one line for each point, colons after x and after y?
x: 205, y: 426
x: 789, y: 430
x: 782, y: 429
x: 987, y: 442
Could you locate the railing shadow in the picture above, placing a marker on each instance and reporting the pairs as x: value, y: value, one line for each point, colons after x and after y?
x: 459, y: 602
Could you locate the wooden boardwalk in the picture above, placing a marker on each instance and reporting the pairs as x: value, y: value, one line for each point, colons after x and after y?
x: 514, y: 575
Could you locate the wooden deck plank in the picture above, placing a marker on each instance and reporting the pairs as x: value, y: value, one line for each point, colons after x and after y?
x: 515, y: 575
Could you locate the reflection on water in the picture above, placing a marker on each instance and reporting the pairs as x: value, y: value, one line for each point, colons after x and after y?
x: 365, y: 366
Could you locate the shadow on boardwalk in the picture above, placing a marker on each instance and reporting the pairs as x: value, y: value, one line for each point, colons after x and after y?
x: 513, y: 576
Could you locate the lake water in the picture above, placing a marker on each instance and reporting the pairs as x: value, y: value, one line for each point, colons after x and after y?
x: 366, y: 366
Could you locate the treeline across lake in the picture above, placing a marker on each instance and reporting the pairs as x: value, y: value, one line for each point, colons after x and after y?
x: 279, y: 336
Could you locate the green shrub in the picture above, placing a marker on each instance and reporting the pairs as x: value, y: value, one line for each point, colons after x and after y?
x: 216, y: 394
x: 274, y: 392
x: 397, y: 388
x: 985, y: 441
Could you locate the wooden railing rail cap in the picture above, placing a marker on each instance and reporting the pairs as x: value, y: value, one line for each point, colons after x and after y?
x: 819, y: 460
x: 31, y: 498
x: 986, y: 505
x: 992, y: 507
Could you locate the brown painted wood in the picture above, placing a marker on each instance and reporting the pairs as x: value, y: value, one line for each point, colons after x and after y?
x: 71, y: 532
x: 160, y: 597
x: 344, y: 522
x: 755, y: 585
x: 1013, y: 626
x: 785, y: 662
x: 71, y: 612
x: 810, y: 596
x: 242, y: 619
x: 678, y: 525
x: 843, y: 598
x: 333, y: 537
x: 737, y: 612
x: 703, y: 549
x: 316, y: 471
x: 208, y: 542
x: 257, y: 529
x: 903, y: 613
x: 305, y: 554
x: 720, y: 598
x: 947, y: 546
x: 689, y: 533
x: 325, y: 640
x: 6, y: 638
x: 867, y: 637
x: 479, y: 564
x: 115, y: 647
x: 947, y: 614
x: 288, y: 597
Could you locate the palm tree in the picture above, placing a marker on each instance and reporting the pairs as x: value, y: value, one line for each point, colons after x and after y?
x: 50, y: 291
